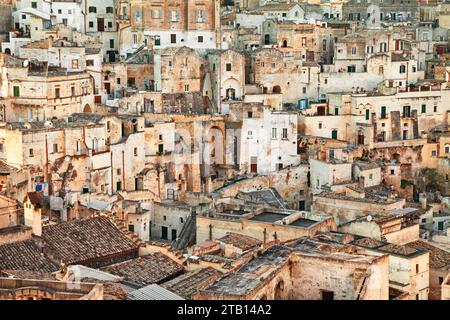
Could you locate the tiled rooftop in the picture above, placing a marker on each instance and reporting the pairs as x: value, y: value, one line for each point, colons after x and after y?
x: 439, y: 258
x: 24, y: 255
x: 189, y: 283
x: 80, y: 240
x: 142, y: 271
x: 240, y: 241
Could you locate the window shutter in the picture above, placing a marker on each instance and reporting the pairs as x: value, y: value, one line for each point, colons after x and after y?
x: 196, y: 15
x: 178, y: 15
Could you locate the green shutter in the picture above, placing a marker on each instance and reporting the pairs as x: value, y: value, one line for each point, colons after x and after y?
x: 424, y: 108
x: 367, y: 114
x: 383, y: 112
x: 16, y: 91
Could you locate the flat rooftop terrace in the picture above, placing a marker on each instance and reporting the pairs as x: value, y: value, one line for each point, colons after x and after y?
x: 303, y: 222
x: 270, y: 217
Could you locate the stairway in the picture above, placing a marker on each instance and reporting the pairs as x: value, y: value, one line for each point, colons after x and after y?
x: 187, y: 234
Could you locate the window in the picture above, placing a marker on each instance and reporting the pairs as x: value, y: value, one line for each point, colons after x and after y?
x: 74, y: 63
x: 285, y: 133
x: 392, y: 172
x: 200, y: 15
x: 72, y: 91
x: 383, y: 112
x: 109, y: 10
x: 402, y: 69
x: 447, y: 149
x: 111, y: 43
x: 367, y: 114
x: 327, y: 295
x: 351, y: 68
x: 89, y: 63
x: 91, y: 24
x: 135, y: 152
x: 435, y: 109
x: 371, y: 176
x: 119, y: 171
x: 156, y: 13
x: 59, y: 11
x: 110, y: 24
x: 173, y: 15
x: 16, y: 90
x: 30, y: 152
x: 55, y: 148
x: 164, y: 218
x: 57, y: 93
x: 441, y: 279
x: 92, y: 10
x: 186, y: 88
x: 131, y: 228
x: 320, y: 125
x: 228, y: 68
x: 353, y: 51
x: 304, y: 90
x: 200, y: 39
x: 417, y: 268
x: 173, y: 38
x: 424, y: 108
x: 406, y: 111
x: 34, y: 5
x: 433, y: 153
x: 181, y: 220
x: 274, y: 133
x: 249, y: 114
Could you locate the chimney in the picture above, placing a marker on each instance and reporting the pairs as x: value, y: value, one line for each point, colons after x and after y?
x: 33, y: 212
x: 423, y: 200
x: 361, y: 182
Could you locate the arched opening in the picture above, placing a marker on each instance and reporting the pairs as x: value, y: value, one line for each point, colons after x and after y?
x: 264, y: 90
x: 279, y: 291
x: 8, y: 51
x: 231, y: 94
x: 285, y: 44
x: 87, y: 109
x: 276, y: 89
x: 360, y: 137
x: 396, y: 157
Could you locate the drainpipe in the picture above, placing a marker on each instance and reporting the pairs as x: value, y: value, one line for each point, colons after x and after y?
x: 123, y: 170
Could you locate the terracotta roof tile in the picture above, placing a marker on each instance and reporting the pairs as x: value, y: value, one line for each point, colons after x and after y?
x: 142, y: 271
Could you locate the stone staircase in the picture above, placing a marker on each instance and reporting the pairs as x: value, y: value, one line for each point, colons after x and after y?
x: 121, y: 225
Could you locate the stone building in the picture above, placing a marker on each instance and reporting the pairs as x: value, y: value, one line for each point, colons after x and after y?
x: 286, y: 271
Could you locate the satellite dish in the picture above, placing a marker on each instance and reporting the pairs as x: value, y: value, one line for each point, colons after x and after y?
x: 369, y: 218
x: 26, y: 63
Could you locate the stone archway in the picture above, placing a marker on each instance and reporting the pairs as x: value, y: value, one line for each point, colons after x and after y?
x: 279, y: 291
x: 276, y: 89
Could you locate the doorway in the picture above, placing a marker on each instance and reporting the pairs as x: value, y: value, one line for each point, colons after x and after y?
x: 164, y: 232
